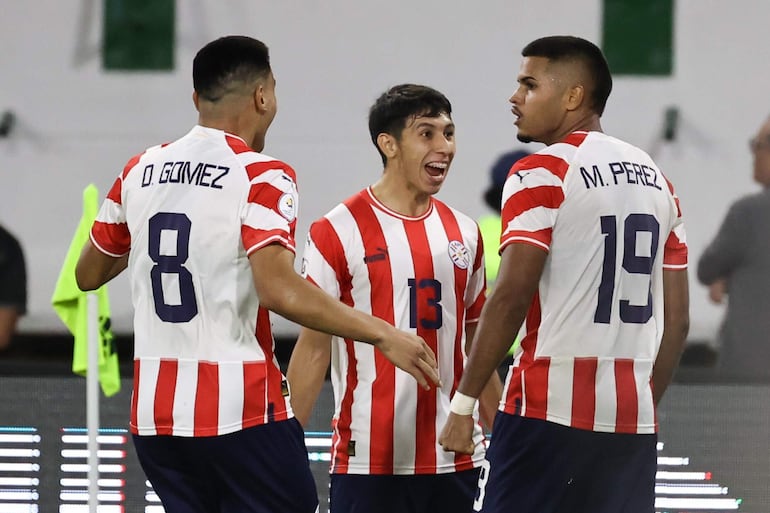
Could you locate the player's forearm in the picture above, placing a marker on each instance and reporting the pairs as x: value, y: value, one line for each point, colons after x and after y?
x: 309, y: 306
x: 284, y: 292
x: 671, y: 348
x: 489, y: 400
x: 307, y: 371
x: 521, y: 266
x: 498, y: 325
x: 676, y: 325
x: 490, y: 395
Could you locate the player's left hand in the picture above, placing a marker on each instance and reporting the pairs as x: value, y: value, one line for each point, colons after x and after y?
x: 457, y: 435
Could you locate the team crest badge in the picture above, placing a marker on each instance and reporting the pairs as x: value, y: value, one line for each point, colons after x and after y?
x: 459, y: 254
x: 287, y: 206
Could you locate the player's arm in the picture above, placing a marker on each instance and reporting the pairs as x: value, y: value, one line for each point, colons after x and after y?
x: 285, y: 292
x: 309, y: 361
x: 520, y: 268
x: 676, y: 323
x: 95, y: 268
x: 489, y: 399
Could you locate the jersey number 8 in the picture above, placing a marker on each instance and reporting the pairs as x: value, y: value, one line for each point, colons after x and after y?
x: 187, y: 306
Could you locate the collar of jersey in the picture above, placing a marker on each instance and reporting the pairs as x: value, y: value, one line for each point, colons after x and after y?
x: 377, y: 203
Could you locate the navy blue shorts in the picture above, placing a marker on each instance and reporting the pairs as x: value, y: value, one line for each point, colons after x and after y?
x: 262, y: 469
x: 445, y: 493
x: 538, y: 466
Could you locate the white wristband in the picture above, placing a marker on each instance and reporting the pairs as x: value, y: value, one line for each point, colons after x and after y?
x: 462, y: 404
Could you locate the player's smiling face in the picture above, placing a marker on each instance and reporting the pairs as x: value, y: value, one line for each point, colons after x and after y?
x: 425, y: 151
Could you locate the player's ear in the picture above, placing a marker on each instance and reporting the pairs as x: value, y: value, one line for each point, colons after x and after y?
x: 260, y: 102
x: 388, y: 145
x: 574, y: 96
x: 195, y: 100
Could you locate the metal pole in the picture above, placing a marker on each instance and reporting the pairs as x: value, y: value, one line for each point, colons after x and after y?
x: 92, y: 402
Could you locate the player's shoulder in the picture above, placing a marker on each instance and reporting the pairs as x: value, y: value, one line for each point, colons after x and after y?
x: 260, y: 163
x: 135, y: 160
x: 346, y: 207
x: 256, y: 163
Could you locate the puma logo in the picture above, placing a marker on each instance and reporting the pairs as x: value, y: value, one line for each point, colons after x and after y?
x: 521, y: 175
x: 380, y: 254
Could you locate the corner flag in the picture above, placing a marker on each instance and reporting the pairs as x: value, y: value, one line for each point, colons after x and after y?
x: 70, y: 304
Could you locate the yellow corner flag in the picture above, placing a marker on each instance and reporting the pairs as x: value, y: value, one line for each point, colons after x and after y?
x: 70, y: 304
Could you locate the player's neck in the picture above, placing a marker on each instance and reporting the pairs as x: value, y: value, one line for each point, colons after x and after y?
x: 588, y: 123
x: 401, y: 198
x: 240, y: 126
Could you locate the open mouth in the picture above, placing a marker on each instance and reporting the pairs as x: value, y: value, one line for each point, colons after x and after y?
x: 436, y: 169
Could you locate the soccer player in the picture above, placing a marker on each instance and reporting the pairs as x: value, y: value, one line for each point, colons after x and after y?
x: 594, y: 257
x: 206, y: 225
x: 395, y: 251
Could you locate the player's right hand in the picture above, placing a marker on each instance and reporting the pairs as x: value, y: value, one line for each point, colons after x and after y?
x: 457, y: 434
x: 411, y: 354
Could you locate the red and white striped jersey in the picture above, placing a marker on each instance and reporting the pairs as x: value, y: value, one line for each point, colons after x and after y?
x: 422, y: 274
x: 611, y: 223
x: 190, y: 212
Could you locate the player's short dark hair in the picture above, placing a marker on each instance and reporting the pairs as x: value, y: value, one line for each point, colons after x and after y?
x: 565, y: 48
x: 228, y: 62
x: 396, y: 106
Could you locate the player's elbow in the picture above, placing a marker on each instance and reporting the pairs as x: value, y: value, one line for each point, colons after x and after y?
x: 85, y: 280
x: 277, y: 299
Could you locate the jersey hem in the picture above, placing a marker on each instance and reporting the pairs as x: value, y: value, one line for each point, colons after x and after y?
x: 207, y: 432
x: 638, y: 429
x: 382, y: 471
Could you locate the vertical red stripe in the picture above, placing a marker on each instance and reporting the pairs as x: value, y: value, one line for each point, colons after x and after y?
x: 535, y: 371
x: 384, y: 385
x: 254, y: 376
x: 328, y: 244
x: 453, y: 231
x: 262, y: 330
x: 164, y: 397
x: 584, y: 392
x: 134, y: 419
x: 625, y: 387
x: 425, y: 312
x: 276, y: 403
x: 273, y: 376
x: 342, y: 433
x: 515, y: 394
x: 207, y: 400
x: 536, y: 388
